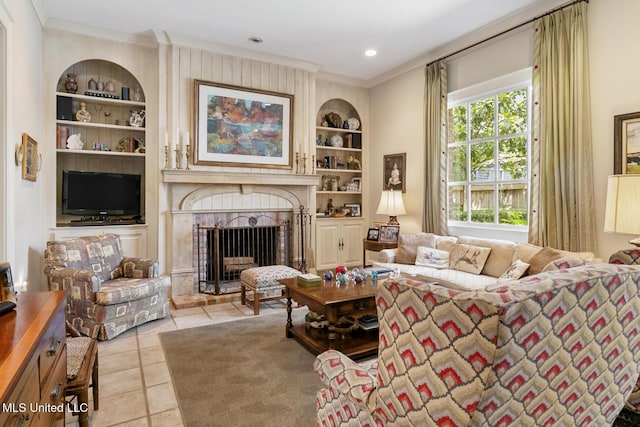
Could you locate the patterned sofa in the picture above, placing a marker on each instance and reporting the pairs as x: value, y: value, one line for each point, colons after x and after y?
x: 561, y: 348
x: 105, y: 290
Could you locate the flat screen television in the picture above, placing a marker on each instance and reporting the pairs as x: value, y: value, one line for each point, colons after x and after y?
x: 100, y: 193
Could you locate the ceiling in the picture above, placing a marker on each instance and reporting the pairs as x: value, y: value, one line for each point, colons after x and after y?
x: 331, y: 35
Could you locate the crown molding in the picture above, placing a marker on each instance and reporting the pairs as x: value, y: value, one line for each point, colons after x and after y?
x: 142, y: 39
x: 346, y: 80
x: 41, y: 11
x: 186, y: 41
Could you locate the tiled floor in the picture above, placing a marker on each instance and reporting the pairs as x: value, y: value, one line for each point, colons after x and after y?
x: 135, y: 385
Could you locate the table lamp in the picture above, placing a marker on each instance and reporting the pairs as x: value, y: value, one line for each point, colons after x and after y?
x: 391, y: 204
x: 621, y: 210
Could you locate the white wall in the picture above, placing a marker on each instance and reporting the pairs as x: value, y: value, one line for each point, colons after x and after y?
x: 397, y: 106
x: 397, y: 117
x: 615, y: 89
x: 24, y: 100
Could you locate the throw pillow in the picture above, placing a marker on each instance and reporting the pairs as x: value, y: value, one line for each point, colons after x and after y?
x: 542, y: 258
x: 468, y: 258
x: 515, y: 271
x: 431, y: 257
x: 408, y: 246
x: 562, y: 263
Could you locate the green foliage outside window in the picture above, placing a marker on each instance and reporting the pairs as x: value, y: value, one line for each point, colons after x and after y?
x: 488, y: 144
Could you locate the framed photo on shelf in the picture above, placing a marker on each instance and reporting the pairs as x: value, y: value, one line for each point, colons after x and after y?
x: 236, y: 125
x: 354, y: 208
x: 394, y: 176
x: 626, y: 143
x: 373, y: 234
x: 7, y: 291
x: 389, y: 233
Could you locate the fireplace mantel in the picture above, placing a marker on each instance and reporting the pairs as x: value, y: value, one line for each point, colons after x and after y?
x: 183, y: 176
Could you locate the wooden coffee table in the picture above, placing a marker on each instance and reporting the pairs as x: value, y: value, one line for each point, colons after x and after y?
x: 334, y: 302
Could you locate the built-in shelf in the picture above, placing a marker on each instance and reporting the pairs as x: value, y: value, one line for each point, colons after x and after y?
x: 99, y: 153
x: 102, y: 101
x: 329, y: 148
x: 328, y: 129
x: 99, y: 125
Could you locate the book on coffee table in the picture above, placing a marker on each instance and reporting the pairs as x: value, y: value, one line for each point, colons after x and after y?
x: 309, y: 280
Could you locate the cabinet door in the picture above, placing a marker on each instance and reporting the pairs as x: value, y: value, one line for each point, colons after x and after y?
x: 327, y: 250
x: 352, y: 244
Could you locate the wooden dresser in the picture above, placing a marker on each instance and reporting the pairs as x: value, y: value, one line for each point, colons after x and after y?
x: 33, y: 361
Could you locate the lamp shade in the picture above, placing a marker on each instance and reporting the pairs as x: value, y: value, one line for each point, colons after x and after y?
x: 391, y: 203
x: 623, y: 200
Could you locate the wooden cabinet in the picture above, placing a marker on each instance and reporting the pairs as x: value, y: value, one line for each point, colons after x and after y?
x: 114, y: 138
x: 33, y: 361
x: 338, y: 242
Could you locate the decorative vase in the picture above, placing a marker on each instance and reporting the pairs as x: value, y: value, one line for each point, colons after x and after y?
x: 91, y: 84
x: 110, y: 86
x: 137, y: 94
x: 100, y: 84
x: 70, y: 83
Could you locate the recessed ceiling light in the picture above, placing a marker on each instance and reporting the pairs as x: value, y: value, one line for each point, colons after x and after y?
x: 255, y: 39
x: 370, y: 52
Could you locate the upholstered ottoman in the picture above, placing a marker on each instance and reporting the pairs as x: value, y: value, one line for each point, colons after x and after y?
x: 263, y: 281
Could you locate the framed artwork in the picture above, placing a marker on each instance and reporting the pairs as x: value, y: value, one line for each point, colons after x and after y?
x: 242, y: 126
x: 389, y: 233
x: 354, y: 208
x: 394, y: 176
x: 30, y: 158
x: 373, y: 234
x: 626, y: 143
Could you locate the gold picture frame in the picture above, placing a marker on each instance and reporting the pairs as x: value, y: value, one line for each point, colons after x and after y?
x: 30, y: 159
x: 236, y: 125
x: 626, y: 143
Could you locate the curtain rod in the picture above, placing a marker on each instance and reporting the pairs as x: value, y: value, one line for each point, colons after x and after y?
x: 505, y: 31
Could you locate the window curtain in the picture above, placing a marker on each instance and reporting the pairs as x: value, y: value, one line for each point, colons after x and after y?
x: 562, y: 208
x: 435, y: 199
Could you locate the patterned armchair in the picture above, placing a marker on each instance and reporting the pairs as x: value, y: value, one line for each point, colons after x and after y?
x: 105, y: 290
x: 557, y: 348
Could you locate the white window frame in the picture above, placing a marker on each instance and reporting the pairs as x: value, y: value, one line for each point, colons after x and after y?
x: 518, y: 79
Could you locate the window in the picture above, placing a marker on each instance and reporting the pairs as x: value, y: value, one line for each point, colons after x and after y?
x: 488, y: 157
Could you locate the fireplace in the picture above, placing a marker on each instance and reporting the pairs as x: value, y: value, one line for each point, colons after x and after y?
x: 212, y: 198
x: 247, y: 241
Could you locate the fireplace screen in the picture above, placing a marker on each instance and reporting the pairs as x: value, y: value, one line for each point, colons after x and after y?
x: 224, y: 251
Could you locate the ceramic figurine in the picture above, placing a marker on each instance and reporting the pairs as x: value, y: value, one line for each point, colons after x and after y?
x: 82, y: 115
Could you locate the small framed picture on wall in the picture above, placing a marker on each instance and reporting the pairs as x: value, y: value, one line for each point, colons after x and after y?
x: 394, y: 172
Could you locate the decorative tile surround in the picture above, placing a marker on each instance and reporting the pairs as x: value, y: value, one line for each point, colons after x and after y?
x: 212, y: 197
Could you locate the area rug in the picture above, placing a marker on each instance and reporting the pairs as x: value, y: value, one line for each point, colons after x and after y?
x: 242, y: 373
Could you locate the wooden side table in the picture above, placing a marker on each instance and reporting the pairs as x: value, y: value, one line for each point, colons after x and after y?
x: 375, y: 246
